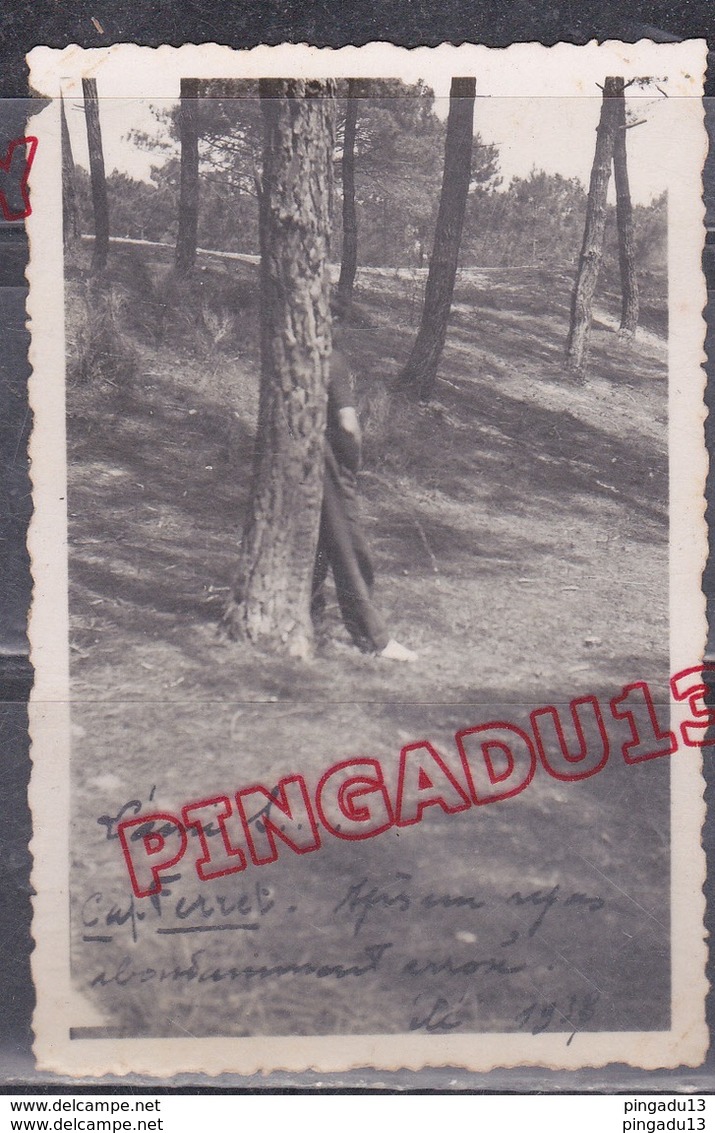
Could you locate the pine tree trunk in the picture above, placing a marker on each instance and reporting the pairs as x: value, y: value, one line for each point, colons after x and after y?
x: 271, y: 601
x: 187, y: 236
x: 99, y: 181
x: 624, y: 220
x: 348, y: 266
x: 592, y: 248
x: 70, y: 217
x: 420, y: 374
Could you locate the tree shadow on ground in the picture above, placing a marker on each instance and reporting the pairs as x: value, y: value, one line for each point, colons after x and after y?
x: 460, y: 500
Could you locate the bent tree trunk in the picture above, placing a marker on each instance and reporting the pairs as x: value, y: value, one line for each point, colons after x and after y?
x: 592, y: 247
x: 97, y: 175
x: 420, y: 374
x: 348, y: 265
x: 624, y: 221
x: 187, y: 235
x: 271, y: 600
x: 70, y: 217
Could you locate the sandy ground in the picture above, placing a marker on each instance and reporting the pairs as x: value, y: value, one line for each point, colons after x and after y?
x: 520, y: 528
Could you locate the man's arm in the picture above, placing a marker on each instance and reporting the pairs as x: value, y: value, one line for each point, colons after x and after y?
x: 349, y: 422
x: 349, y: 441
x: 342, y: 397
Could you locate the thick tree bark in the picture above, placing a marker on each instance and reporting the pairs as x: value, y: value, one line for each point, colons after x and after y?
x: 624, y: 220
x: 348, y: 266
x: 187, y: 236
x: 70, y: 216
x: 96, y: 169
x: 592, y: 247
x: 420, y: 374
x: 271, y: 601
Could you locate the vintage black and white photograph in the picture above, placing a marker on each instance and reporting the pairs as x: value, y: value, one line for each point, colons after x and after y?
x: 368, y: 534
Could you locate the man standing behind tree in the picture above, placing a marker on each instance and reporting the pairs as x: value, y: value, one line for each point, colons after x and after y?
x: 342, y: 545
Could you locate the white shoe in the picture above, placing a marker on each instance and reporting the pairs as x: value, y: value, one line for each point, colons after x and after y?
x: 393, y: 651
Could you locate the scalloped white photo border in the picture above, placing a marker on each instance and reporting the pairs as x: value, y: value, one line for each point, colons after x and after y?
x: 523, y: 70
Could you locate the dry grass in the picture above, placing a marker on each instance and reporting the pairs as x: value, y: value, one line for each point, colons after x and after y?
x: 514, y: 523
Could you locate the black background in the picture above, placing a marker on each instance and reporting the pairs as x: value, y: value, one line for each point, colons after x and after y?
x: 411, y: 23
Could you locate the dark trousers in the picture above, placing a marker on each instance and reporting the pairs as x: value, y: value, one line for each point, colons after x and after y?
x: 343, y: 548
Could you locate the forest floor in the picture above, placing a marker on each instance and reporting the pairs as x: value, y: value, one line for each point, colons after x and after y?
x: 520, y: 531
